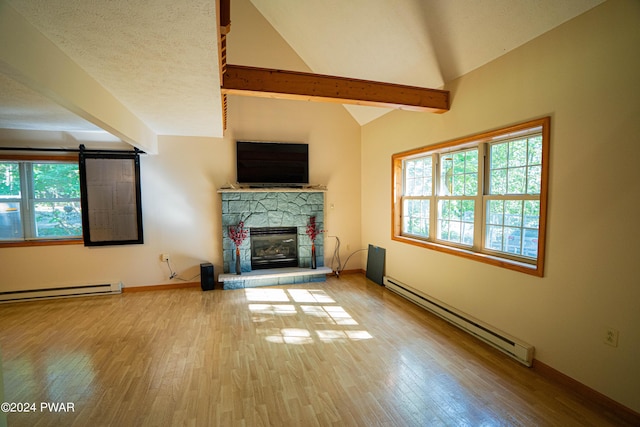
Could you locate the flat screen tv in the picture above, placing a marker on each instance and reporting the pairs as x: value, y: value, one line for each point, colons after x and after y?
x: 272, y: 163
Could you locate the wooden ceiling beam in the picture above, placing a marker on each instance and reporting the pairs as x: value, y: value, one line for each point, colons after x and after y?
x: 280, y: 84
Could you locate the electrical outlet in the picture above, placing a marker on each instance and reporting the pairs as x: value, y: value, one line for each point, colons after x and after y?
x: 611, y: 337
x: 164, y: 257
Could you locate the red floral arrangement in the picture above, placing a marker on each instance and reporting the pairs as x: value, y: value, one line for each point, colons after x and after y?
x: 312, y: 229
x: 238, y: 233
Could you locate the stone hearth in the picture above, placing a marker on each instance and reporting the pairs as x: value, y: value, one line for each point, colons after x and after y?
x: 272, y: 208
x: 274, y: 276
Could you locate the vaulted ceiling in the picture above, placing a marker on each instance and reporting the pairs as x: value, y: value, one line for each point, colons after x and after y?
x: 142, y: 68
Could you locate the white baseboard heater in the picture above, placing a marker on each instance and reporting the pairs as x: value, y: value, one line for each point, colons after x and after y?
x: 61, y: 292
x: 520, y: 351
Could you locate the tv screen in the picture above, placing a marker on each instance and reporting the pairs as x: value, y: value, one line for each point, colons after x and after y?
x: 272, y: 163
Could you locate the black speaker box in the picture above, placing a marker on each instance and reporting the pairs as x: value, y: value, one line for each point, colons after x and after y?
x: 206, y: 276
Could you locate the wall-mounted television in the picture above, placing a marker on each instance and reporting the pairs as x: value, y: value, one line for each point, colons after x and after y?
x: 272, y: 163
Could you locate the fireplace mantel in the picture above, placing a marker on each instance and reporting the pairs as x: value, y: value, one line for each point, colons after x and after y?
x: 310, y: 189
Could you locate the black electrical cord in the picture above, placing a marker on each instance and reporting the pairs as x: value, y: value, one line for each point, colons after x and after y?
x: 336, y: 256
x: 349, y: 257
x: 174, y: 274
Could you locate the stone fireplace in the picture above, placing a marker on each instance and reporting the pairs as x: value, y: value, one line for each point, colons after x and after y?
x: 272, y: 208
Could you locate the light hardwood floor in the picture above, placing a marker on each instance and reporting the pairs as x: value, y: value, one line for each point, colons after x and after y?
x: 346, y: 352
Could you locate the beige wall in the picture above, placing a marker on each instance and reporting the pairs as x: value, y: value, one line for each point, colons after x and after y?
x: 181, y: 208
x: 584, y: 75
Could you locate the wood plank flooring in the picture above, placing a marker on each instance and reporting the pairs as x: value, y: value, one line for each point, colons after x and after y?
x: 346, y: 352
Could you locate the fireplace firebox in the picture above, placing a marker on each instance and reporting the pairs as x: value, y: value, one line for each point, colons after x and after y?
x: 273, y: 247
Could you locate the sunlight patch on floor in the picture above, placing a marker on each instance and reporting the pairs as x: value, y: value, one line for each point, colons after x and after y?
x: 261, y: 294
x: 332, y: 335
x: 273, y: 309
x: 310, y: 295
x: 265, y: 304
x: 331, y: 314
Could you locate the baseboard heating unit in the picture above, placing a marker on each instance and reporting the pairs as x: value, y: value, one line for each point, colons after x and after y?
x: 61, y: 292
x: 520, y: 351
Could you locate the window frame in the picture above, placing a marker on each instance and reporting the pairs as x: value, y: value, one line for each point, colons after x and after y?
x: 34, y: 241
x: 477, y: 251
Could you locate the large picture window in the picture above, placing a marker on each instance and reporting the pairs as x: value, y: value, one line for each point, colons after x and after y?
x: 481, y: 197
x: 39, y: 199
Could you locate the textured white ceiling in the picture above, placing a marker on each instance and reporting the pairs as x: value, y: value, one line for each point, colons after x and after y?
x: 159, y: 57
x: 23, y: 108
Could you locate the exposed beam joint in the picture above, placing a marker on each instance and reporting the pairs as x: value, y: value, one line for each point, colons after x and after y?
x: 280, y: 84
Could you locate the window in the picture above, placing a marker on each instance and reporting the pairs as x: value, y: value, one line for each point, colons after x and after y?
x: 456, y: 199
x: 417, y: 202
x: 513, y: 200
x: 481, y: 197
x: 39, y: 199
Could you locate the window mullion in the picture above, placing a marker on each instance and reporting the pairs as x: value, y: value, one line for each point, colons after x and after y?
x: 433, y: 204
x: 433, y: 218
x: 479, y: 214
x: 26, y: 203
